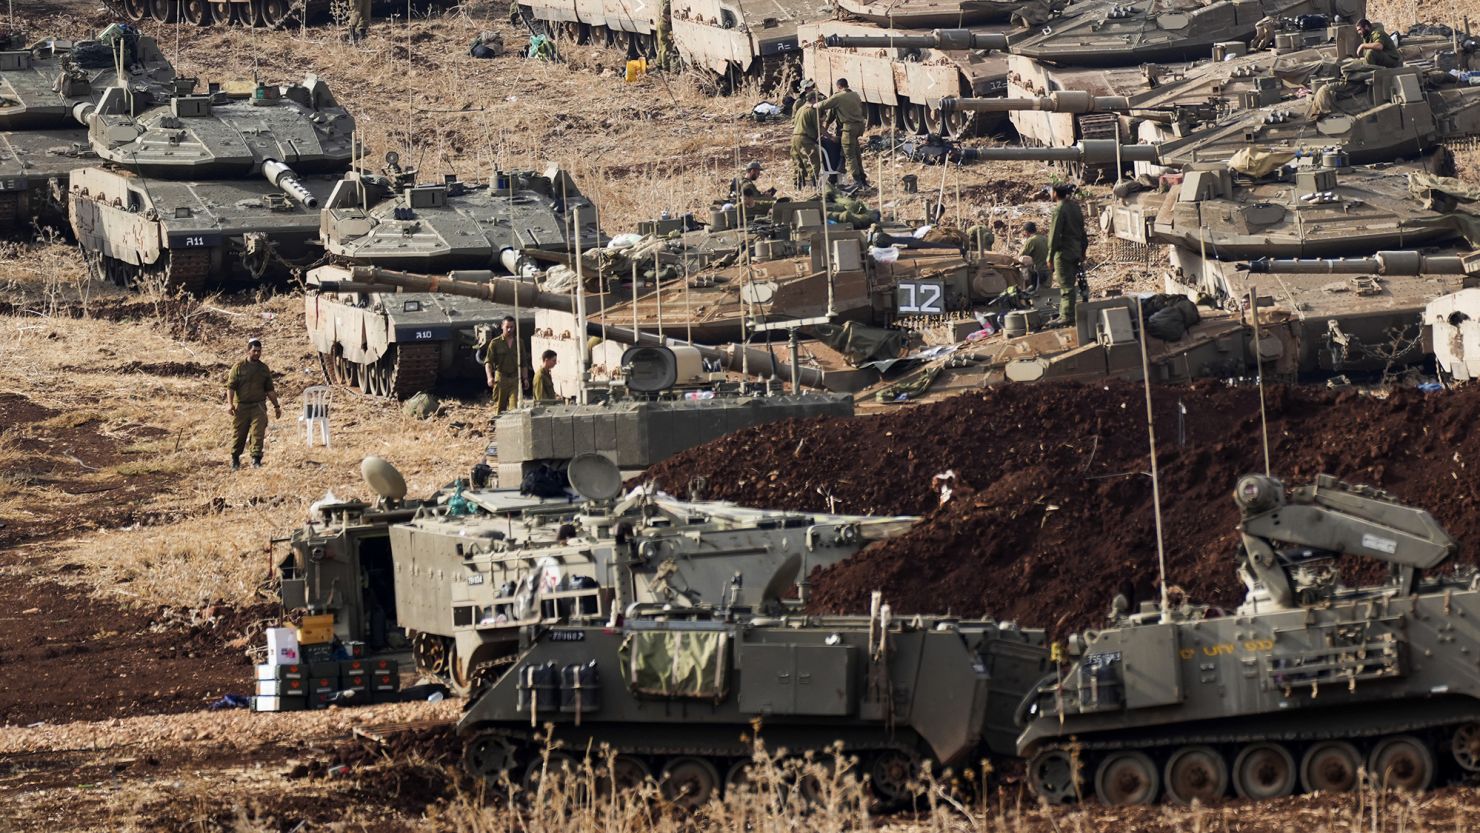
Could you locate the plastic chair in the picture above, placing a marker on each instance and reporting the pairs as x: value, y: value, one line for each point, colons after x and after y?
x: 315, y: 412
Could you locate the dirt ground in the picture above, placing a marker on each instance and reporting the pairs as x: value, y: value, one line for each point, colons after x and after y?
x: 131, y: 556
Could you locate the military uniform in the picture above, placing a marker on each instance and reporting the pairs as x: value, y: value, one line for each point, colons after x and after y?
x: 664, y: 33
x: 1036, y: 247
x: 1387, y: 56
x: 1066, y: 243
x: 249, y: 382
x: 847, y: 108
x: 544, y: 386
x: 502, y: 359
x: 804, y: 157
x: 981, y: 238
x: 756, y: 201
x: 359, y: 17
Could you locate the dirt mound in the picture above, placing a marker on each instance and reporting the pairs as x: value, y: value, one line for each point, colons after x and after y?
x: 1050, y: 512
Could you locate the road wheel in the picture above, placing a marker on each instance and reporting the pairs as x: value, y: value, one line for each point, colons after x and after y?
x: 1402, y: 762
x: 628, y: 772
x: 1264, y: 770
x: 689, y: 782
x: 1465, y: 747
x: 197, y: 12
x: 276, y: 13
x: 136, y: 10
x: 430, y: 653
x: 247, y: 14
x: 163, y: 10
x: 959, y: 124
x: 1331, y: 767
x: 893, y: 775
x: 1127, y: 778
x: 912, y: 118
x: 220, y: 12
x: 1196, y: 773
x: 1053, y: 775
x: 488, y: 756
x: 558, y: 768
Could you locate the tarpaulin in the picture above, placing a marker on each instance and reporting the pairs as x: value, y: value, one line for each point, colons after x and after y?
x: 688, y: 664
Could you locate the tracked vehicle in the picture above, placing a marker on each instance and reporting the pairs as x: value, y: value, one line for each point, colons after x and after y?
x: 1304, y: 684
x: 209, y: 187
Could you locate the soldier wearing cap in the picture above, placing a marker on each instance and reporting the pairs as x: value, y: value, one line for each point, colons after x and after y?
x: 248, y: 390
x: 804, y: 135
x: 846, y: 108
x: 743, y: 189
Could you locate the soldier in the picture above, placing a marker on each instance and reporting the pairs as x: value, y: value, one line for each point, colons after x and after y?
x: 501, y: 367
x: 846, y: 108
x: 1035, y: 247
x: 544, y: 387
x: 804, y: 135
x: 1264, y: 31
x: 359, y: 20
x: 1066, y: 242
x: 248, y: 390
x: 981, y: 237
x: 664, y: 34
x: 1377, y: 46
x: 744, y: 189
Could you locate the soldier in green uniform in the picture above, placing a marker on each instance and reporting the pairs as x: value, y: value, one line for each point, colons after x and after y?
x: 1066, y: 243
x: 804, y: 133
x: 1035, y: 247
x: 1377, y: 46
x: 248, y: 390
x: 359, y: 19
x: 743, y: 189
x: 846, y: 108
x: 664, y: 24
x: 544, y: 386
x: 501, y: 367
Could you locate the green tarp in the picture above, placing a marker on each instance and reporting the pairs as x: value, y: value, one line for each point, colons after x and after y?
x: 688, y: 664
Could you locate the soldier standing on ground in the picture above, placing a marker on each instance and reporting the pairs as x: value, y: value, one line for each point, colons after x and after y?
x: 544, y: 386
x: 501, y: 367
x: 248, y: 390
x: 804, y: 135
x: 1066, y: 243
x: 359, y: 20
x: 846, y: 108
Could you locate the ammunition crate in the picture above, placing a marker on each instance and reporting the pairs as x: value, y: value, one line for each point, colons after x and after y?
x: 281, y: 672
x: 315, y: 630
x: 278, y: 704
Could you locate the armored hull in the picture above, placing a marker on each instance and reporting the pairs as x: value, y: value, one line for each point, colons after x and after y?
x: 894, y: 694
x: 35, y: 167
x: 1305, y: 684
x: 192, y: 235
x: 931, y: 14
x: 40, y: 84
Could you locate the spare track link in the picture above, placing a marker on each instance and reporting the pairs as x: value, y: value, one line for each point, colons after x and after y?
x: 416, y: 367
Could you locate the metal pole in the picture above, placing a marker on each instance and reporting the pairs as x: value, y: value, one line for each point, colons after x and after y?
x: 1161, y: 554
x: 795, y: 345
x: 1259, y: 376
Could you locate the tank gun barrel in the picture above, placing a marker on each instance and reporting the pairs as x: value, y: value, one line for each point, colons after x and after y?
x: 1065, y: 101
x: 944, y: 39
x: 283, y: 177
x: 1383, y: 263
x: 1090, y: 151
x: 499, y: 289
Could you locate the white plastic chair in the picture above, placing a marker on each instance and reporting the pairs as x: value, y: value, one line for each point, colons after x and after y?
x: 315, y: 412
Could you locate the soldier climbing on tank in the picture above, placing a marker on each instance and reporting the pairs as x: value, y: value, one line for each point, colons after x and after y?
x: 744, y: 190
x: 248, y: 390
x: 544, y: 387
x: 501, y: 367
x: 1066, y: 244
x: 804, y: 136
x: 1377, y: 47
x: 845, y: 108
x: 359, y: 20
x: 1035, y: 250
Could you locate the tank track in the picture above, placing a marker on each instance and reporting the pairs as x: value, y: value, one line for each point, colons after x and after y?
x: 10, y: 211
x: 187, y: 270
x: 269, y: 13
x: 404, y: 371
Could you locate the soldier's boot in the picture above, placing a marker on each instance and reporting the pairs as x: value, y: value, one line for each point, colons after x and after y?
x: 256, y: 461
x: 236, y: 462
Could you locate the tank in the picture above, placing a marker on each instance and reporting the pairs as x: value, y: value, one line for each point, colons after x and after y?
x: 270, y: 13
x: 205, y: 189
x: 931, y: 14
x: 1308, y: 681
x: 902, y: 74
x: 727, y: 40
x: 1316, y: 208
x: 40, y: 83
x: 396, y: 222
x: 679, y: 695
x: 1112, y: 34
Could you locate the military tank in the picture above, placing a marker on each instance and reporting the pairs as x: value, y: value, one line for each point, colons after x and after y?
x: 674, y: 696
x: 1101, y: 34
x: 727, y: 41
x: 176, y: 203
x: 902, y: 74
x: 270, y: 13
x: 1306, y: 683
x: 931, y: 14
x: 40, y: 83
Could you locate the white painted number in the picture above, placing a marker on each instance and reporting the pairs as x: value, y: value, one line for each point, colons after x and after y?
x: 920, y: 298
x: 195, y: 241
x: 422, y: 335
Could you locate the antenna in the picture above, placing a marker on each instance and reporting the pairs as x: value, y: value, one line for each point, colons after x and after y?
x: 1259, y: 376
x: 1161, y: 553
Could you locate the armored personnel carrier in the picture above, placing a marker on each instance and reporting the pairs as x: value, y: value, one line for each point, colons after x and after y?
x: 177, y: 201
x: 1309, y: 681
x: 1099, y: 34
x: 674, y: 694
x: 40, y: 84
